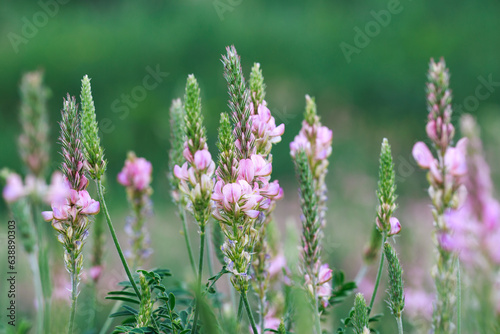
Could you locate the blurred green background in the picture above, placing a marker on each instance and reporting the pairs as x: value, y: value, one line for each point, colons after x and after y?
x: 378, y: 91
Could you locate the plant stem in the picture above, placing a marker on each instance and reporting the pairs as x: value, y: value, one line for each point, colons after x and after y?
x: 37, y: 281
x: 249, y: 311
x: 41, y: 256
x: 317, y: 320
x: 400, y: 324
x: 74, y: 294
x: 261, y: 319
x: 182, y: 215
x: 200, y: 272
x: 379, y: 275
x: 115, y: 239
x: 240, y: 309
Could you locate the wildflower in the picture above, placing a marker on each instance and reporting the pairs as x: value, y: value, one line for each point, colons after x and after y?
x: 33, y: 142
x: 446, y: 173
x: 14, y: 189
x: 136, y: 177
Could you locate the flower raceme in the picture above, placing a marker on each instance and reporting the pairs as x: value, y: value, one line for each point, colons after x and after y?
x: 251, y: 193
x: 79, y: 202
x: 264, y: 129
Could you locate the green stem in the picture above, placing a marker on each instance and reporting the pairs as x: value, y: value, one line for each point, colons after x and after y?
x: 43, y: 274
x: 317, y: 320
x: 74, y: 295
x: 200, y: 274
x: 37, y: 281
x: 400, y: 324
x: 182, y: 215
x: 115, y: 239
x: 240, y: 309
x: 249, y: 312
x: 379, y: 275
x: 261, y: 319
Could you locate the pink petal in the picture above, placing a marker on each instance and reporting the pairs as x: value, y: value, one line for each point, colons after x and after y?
x: 47, y: 216
x: 422, y: 155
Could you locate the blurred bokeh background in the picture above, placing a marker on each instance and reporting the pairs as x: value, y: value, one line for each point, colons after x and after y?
x: 365, y: 62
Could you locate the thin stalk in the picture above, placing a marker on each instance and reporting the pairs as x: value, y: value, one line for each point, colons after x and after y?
x: 115, y: 239
x: 317, y: 320
x: 43, y: 273
x: 200, y: 272
x: 182, y: 215
x: 240, y: 309
x: 379, y: 275
x: 261, y: 311
x: 74, y: 295
x: 249, y: 312
x: 459, y: 298
x: 400, y: 324
x: 37, y: 281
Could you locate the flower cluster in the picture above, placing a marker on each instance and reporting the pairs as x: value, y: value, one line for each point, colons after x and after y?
x: 445, y: 176
x: 136, y: 176
x: 315, y: 139
x: 323, y: 284
x: 15, y: 189
x: 265, y: 130
x: 196, y: 173
x: 71, y: 216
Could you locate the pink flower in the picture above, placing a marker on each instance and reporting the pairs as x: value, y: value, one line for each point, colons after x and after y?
x: 264, y: 126
x: 455, y: 162
x: 299, y: 143
x: 95, y: 272
x: 276, y: 264
x: 246, y: 170
x: 395, y: 226
x: 202, y: 159
x: 86, y: 204
x: 58, y: 189
x: 325, y: 274
x: 418, y: 303
x: 181, y: 172
x: 14, y: 189
x: 422, y: 155
x: 136, y: 173
x: 262, y: 167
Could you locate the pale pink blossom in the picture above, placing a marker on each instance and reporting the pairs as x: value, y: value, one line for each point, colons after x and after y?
x: 14, y: 189
x: 78, y: 202
x: 395, y: 226
x: 422, y: 155
x: 58, y: 189
x: 455, y: 162
x: 325, y: 274
x: 276, y: 265
x: 202, y: 159
x: 136, y: 173
x: 418, y: 303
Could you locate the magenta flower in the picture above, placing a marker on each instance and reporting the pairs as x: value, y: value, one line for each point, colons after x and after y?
x: 235, y: 198
x: 136, y: 173
x: 264, y: 129
x: 14, y: 189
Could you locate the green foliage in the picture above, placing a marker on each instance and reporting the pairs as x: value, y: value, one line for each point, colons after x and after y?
x: 239, y: 99
x: 311, y: 115
x: 177, y: 140
x: 227, y: 150
x: 386, y: 192
x: 91, y: 141
x: 257, y: 86
x: 309, y: 205
x: 33, y: 141
x: 340, y: 288
x: 195, y: 131
x: 164, y: 317
x: 396, y: 290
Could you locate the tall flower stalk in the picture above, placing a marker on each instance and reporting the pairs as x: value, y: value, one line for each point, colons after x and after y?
x: 96, y: 165
x: 136, y: 177
x: 196, y: 173
x: 243, y: 191
x: 266, y: 134
x: 446, y: 190
x: 176, y: 157
x: 71, y: 217
x: 386, y: 224
x: 34, y: 150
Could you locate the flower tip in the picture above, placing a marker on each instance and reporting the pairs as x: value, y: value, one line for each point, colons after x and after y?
x: 395, y: 226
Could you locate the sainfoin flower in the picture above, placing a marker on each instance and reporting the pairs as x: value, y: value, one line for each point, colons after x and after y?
x: 14, y: 189
x: 323, y: 284
x: 136, y: 173
x: 136, y: 177
x: 79, y: 202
